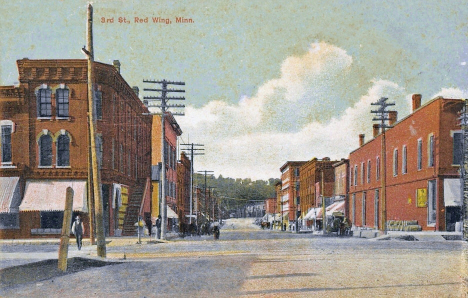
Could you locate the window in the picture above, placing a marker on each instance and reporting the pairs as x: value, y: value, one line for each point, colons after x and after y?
x: 404, y: 163
x: 363, y: 209
x: 363, y: 173
x: 6, y: 144
x: 61, y: 97
x: 368, y: 171
x: 419, y: 154
x: 44, y: 102
x: 430, y: 150
x: 353, y: 205
x: 377, y: 168
x: 98, y: 104
x: 355, y: 174
x: 45, y: 151
x: 457, y: 148
x: 63, y: 151
x: 51, y: 219
x: 395, y: 162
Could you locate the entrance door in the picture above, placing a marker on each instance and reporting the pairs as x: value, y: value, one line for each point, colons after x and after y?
x: 431, y: 202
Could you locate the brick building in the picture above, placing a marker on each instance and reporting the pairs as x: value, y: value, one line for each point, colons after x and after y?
x: 423, y: 158
x: 172, y: 131
x: 45, y: 145
x: 290, y: 200
x: 314, y: 185
x: 183, y: 189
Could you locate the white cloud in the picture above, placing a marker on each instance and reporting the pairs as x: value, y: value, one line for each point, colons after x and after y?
x: 298, y: 116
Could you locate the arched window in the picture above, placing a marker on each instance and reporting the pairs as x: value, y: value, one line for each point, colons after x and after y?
x: 63, y: 151
x: 61, y: 96
x: 45, y: 151
x: 44, y: 102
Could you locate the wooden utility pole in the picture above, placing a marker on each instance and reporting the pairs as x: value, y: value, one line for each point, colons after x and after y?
x: 192, y: 153
x: 98, y: 208
x: 65, y: 237
x: 164, y: 106
x: 382, y: 116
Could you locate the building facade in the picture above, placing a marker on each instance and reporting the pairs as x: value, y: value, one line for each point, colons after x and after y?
x: 316, y: 182
x: 45, y: 145
x: 423, y: 156
x: 290, y: 200
x: 183, y: 189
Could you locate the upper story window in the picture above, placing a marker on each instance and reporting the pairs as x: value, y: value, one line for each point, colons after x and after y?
x: 395, y: 162
x: 368, y: 171
x: 62, y: 101
x: 430, y: 151
x: 6, y: 131
x: 404, y: 161
x: 98, y: 104
x: 363, y: 172
x: 419, y: 154
x: 457, y: 148
x: 63, y: 151
x: 45, y: 150
x: 377, y: 168
x: 355, y: 174
x: 44, y: 102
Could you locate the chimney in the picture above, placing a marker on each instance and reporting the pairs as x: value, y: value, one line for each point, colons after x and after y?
x: 361, y: 139
x: 136, y: 90
x: 116, y: 64
x: 416, y: 101
x: 392, y: 117
x: 375, y: 130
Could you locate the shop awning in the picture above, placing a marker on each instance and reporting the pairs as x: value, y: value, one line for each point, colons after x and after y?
x: 10, y: 198
x: 171, y: 213
x: 49, y: 195
x: 314, y: 213
x: 452, y: 192
x: 336, y: 207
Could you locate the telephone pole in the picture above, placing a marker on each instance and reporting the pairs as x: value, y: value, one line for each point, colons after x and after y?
x: 382, y: 116
x: 464, y: 169
x: 192, y: 153
x: 96, y: 183
x: 204, y: 190
x: 163, y: 105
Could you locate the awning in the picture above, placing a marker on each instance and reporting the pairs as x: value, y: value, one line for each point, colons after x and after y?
x: 49, y: 195
x: 452, y: 192
x: 10, y: 197
x: 171, y: 213
x: 336, y: 207
x: 314, y: 213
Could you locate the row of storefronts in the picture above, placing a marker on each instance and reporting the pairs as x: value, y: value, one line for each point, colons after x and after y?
x: 420, y: 177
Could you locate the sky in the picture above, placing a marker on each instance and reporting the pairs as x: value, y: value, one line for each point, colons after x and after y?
x: 266, y: 81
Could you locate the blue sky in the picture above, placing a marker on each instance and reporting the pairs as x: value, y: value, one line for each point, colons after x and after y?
x: 266, y: 81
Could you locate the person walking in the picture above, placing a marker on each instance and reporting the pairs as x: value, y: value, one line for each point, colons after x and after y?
x: 78, y: 231
x: 149, y: 225
x: 158, y: 226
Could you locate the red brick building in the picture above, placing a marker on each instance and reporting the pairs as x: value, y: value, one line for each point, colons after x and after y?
x: 423, y: 157
x: 290, y: 200
x: 183, y: 189
x: 45, y: 145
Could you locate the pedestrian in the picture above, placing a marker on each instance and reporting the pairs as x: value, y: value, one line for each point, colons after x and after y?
x: 158, y: 226
x: 149, y: 225
x: 78, y: 230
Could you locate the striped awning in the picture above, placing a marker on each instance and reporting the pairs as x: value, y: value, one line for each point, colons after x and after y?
x: 49, y: 195
x: 171, y: 213
x: 10, y: 197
